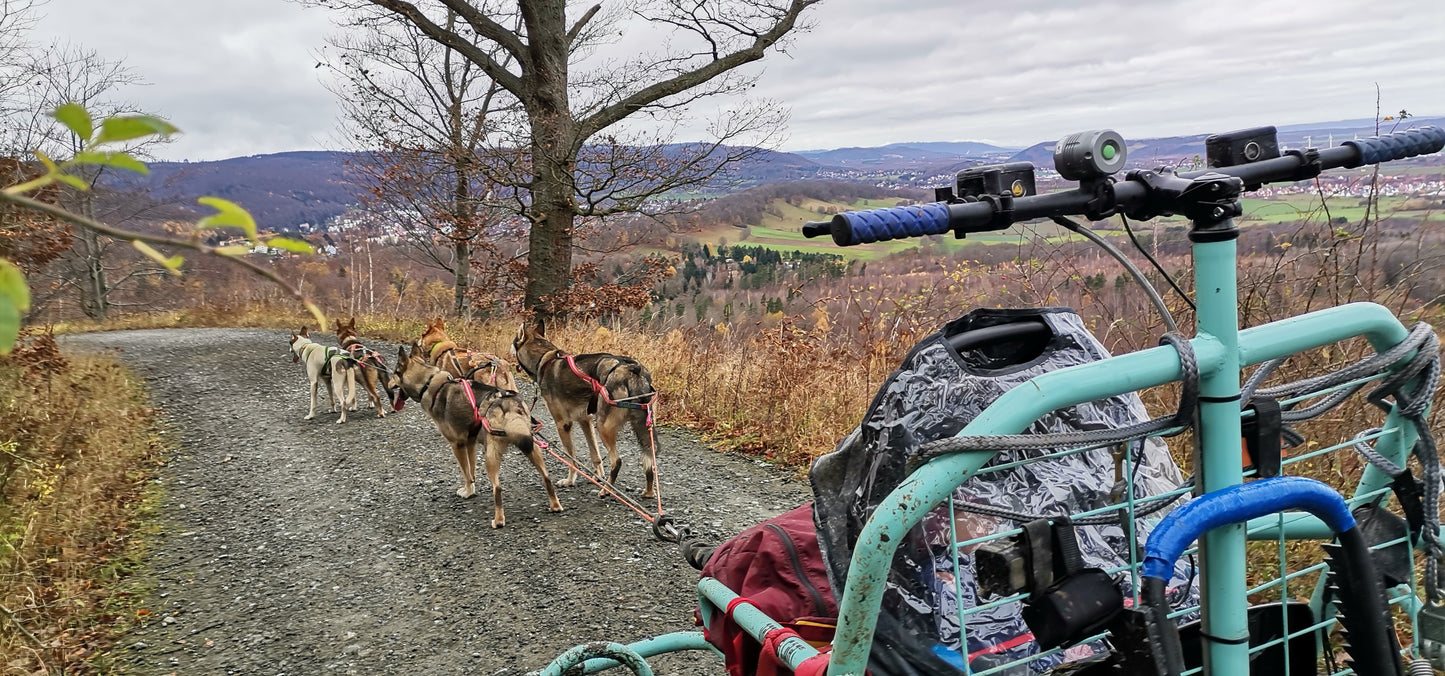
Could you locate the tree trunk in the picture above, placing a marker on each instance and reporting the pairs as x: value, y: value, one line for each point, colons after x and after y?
x: 94, y: 293
x: 463, y: 281
x: 553, y: 210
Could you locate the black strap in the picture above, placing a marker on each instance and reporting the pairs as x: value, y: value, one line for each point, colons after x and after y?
x: 1410, y: 493
x: 1038, y: 548
x: 1262, y: 436
x: 1066, y: 544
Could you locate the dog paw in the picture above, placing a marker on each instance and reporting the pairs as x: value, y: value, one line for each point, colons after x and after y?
x: 554, y: 510
x: 498, y: 523
x: 567, y: 483
x: 313, y: 415
x: 649, y: 495
x: 467, y: 492
x: 341, y: 421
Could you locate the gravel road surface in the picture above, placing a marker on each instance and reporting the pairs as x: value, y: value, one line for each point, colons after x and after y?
x: 307, y: 547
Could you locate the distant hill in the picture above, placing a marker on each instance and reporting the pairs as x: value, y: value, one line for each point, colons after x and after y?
x: 287, y: 189
x: 281, y: 190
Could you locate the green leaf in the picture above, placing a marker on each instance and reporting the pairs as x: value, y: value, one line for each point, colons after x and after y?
x: 292, y: 245
x: 77, y: 119
x: 130, y: 127
x: 9, y: 325
x: 14, y: 302
x: 73, y: 181
x: 233, y: 250
x: 228, y: 215
x: 316, y: 313
x: 49, y: 163
x: 13, y: 286
x: 111, y: 159
x: 173, y: 263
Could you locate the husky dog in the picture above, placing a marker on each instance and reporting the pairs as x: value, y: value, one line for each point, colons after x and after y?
x: 326, y: 364
x: 441, y: 351
x: 567, y: 385
x: 465, y: 410
x: 372, y: 368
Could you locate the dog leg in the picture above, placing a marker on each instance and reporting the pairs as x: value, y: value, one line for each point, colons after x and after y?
x: 564, y: 432
x: 338, y: 391
x: 535, y: 455
x: 312, y: 414
x: 370, y: 379
x: 590, y: 433
x: 468, y: 489
x: 350, y: 384
x: 494, y: 470
x: 648, y: 451
x: 608, y: 432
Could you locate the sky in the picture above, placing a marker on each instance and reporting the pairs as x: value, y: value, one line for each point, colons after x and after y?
x: 239, y: 77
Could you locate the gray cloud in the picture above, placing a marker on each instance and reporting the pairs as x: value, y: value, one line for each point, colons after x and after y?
x: 238, y: 75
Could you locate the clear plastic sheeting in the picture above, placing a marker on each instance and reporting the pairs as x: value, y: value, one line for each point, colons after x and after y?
x: 935, y: 393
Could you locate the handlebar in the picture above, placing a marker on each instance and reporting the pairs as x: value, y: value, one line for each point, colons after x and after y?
x: 1130, y: 196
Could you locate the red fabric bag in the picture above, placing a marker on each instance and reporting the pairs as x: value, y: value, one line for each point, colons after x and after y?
x: 777, y: 565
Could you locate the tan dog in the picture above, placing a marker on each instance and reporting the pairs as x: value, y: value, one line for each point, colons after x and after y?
x: 571, y: 399
x: 497, y: 415
x: 372, y: 369
x: 441, y: 351
x: 324, y: 364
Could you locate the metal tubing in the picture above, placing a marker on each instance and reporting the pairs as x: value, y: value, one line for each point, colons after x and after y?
x: 597, y: 649
x: 657, y: 645
x: 1017, y: 409
x: 792, y: 650
x: 1222, y: 549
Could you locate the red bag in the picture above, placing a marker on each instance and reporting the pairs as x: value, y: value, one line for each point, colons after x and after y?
x: 777, y: 565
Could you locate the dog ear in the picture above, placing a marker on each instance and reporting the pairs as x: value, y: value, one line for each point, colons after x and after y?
x: 352, y: 324
x: 401, y: 356
x: 441, y: 324
x: 539, y: 325
x: 303, y: 333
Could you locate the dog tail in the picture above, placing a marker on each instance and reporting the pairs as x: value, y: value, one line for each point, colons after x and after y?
x: 518, y: 426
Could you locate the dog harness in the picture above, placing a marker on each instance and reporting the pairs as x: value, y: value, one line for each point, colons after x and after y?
x: 451, y: 352
x: 478, y: 419
x: 600, y: 390
x: 368, y: 357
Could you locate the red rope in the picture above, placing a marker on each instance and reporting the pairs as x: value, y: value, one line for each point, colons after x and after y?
x: 588, y: 475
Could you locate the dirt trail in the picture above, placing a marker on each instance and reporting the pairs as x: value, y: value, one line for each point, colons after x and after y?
x: 303, y: 547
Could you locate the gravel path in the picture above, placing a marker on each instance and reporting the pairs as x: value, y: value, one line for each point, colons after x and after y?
x: 303, y: 547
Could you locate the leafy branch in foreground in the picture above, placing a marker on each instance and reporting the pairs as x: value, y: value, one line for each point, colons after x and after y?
x: 103, y: 145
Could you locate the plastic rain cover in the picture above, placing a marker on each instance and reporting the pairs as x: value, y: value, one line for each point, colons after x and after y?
x: 933, y: 395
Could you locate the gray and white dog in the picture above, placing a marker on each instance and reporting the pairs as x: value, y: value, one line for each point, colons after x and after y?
x: 325, y: 364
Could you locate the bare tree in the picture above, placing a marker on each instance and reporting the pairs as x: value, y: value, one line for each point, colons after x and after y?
x: 573, y: 161
x: 422, y: 114
x: 68, y: 73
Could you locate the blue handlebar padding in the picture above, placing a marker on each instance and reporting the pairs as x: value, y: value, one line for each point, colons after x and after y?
x: 878, y: 225
x: 1400, y: 145
x: 1238, y: 504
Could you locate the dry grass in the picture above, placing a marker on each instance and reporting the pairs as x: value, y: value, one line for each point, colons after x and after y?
x: 77, y: 447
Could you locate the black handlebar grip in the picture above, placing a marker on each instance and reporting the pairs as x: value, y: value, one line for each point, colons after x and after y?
x: 1398, y: 146
x: 880, y: 225
x: 813, y: 229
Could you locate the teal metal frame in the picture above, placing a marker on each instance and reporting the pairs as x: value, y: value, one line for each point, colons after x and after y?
x: 1221, y: 350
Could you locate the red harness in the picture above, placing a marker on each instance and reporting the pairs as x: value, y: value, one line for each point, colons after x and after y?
x: 601, y: 391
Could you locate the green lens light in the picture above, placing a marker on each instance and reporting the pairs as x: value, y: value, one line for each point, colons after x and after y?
x: 1110, y: 151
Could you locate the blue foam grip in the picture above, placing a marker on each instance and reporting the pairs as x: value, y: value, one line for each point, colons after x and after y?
x: 881, y: 225
x: 1399, y: 146
x: 1238, y: 504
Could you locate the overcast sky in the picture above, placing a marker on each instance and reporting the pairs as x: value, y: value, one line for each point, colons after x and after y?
x: 239, y: 76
